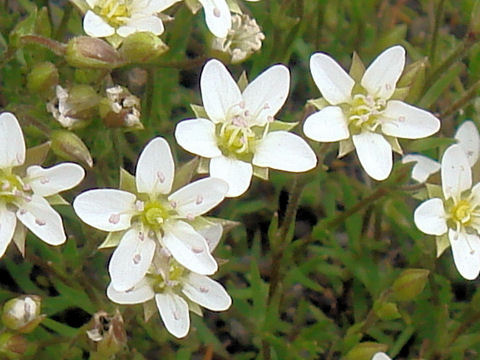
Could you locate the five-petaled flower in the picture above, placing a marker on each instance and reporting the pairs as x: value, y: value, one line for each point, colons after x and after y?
x: 236, y: 136
x: 151, y: 217
x: 24, y: 193
x: 457, y: 213
x: 365, y: 115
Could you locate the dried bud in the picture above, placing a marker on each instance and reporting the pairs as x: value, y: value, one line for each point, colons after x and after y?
x: 365, y: 351
x: 109, y: 334
x: 410, y: 283
x: 42, y: 79
x: 12, y: 346
x: 84, y: 51
x: 120, y: 109
x: 243, y: 39
x: 69, y: 146
x: 75, y: 107
x: 22, y: 313
x: 142, y: 47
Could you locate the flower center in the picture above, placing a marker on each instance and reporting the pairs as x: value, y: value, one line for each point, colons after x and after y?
x: 462, y: 212
x: 173, y: 278
x: 114, y: 12
x: 364, y: 113
x: 155, y: 213
x: 12, y: 187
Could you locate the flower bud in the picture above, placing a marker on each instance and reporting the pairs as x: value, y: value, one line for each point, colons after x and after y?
x: 365, y: 351
x: 22, y: 313
x: 120, y: 109
x: 109, y: 334
x: 12, y: 346
x: 85, y: 51
x: 410, y: 283
x: 141, y: 47
x: 386, y: 310
x: 42, y: 79
x: 69, y: 146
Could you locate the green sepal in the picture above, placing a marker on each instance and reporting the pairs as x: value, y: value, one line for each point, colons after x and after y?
x: 127, y: 182
x: 34, y: 156
x: 442, y: 243
x: 400, y: 93
x: 112, y: 240
x: 193, y: 5
x: 318, y: 103
x: 277, y: 125
x: 203, y: 166
x: 260, y: 172
x: 421, y: 194
x: 242, y: 81
x: 357, y: 68
x: 226, y: 224
x: 82, y: 5
x: 19, y: 236
x: 57, y: 199
x: 149, y: 309
x: 234, y: 7
x: 185, y: 173
x: 24, y: 27
x: 199, y: 111
x: 195, y: 308
x: 434, y: 191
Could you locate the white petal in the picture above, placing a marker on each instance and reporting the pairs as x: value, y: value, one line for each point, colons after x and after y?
x: 332, y: 81
x: 466, y: 253
x: 219, y: 91
x: 199, y: 197
x: 217, y: 17
x: 8, y: 221
x: 469, y: 139
x: 423, y: 168
x: 374, y: 153
x: 151, y: 24
x: 206, y: 292
x: 42, y: 220
x: 265, y: 95
x: 475, y: 195
x: 212, y: 233
x: 155, y: 168
x: 55, y: 179
x: 156, y: 6
x: 380, y: 356
x: 174, y: 312
x: 105, y: 209
x: 407, y: 121
x: 95, y: 26
x: 189, y: 248
x: 430, y: 217
x: 198, y: 137
x: 285, y: 151
x: 380, y: 78
x: 456, y: 172
x: 141, y: 293
x: 131, y: 260
x: 236, y: 173
x: 12, y: 145
x: 327, y: 125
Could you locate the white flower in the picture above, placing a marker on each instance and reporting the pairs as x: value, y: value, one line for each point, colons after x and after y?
x: 153, y: 217
x: 124, y: 17
x: 364, y: 116
x: 176, y: 292
x: 381, y: 356
x: 23, y: 196
x: 236, y: 134
x: 457, y: 214
x: 423, y: 168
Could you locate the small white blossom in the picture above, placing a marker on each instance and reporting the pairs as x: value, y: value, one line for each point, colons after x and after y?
x: 423, y: 168
x: 236, y: 135
x: 381, y: 356
x: 176, y: 291
x: 457, y: 213
x: 23, y: 196
x: 364, y: 116
x: 153, y: 217
x: 106, y: 18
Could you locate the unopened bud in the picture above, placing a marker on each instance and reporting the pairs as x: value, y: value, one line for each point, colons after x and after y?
x: 88, y: 52
x: 365, y: 351
x: 386, y: 310
x: 22, y: 313
x: 411, y: 72
x: 12, y: 346
x: 410, y: 283
x: 109, y: 334
x: 69, y: 146
x: 42, y: 79
x: 141, y: 47
x: 74, y: 107
x: 120, y: 109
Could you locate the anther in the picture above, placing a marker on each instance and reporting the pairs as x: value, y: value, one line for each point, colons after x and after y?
x: 139, y: 205
x: 141, y: 236
x: 203, y: 289
x: 44, y: 180
x: 22, y: 211
x: 40, y: 222
x: 176, y: 316
x: 197, y: 250
x: 199, y: 200
x: 401, y: 118
x: 160, y: 176
x: 114, y: 219
x: 137, y: 258
x: 173, y: 204
x: 190, y: 217
x: 26, y: 187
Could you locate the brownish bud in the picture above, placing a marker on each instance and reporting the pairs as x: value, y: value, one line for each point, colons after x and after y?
x: 88, y: 52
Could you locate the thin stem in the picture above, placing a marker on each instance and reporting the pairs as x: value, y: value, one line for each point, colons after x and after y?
x: 436, y: 27
x: 469, y: 95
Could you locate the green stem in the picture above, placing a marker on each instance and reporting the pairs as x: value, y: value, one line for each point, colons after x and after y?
x: 436, y: 27
x: 469, y: 95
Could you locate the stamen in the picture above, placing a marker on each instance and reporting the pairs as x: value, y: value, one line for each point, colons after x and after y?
x: 161, y: 177
x: 22, y: 211
x: 173, y: 204
x: 176, y: 316
x: 114, y: 219
x: 44, y: 180
x: 199, y: 200
x: 137, y: 258
x: 203, y: 289
x: 40, y: 222
x: 197, y: 250
x: 216, y: 12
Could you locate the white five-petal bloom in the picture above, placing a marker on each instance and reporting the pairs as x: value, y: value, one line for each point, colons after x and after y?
x: 364, y: 115
x: 176, y: 292
x: 23, y: 196
x: 153, y: 217
x: 236, y: 135
x: 381, y: 356
x: 457, y: 213
x: 124, y: 17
